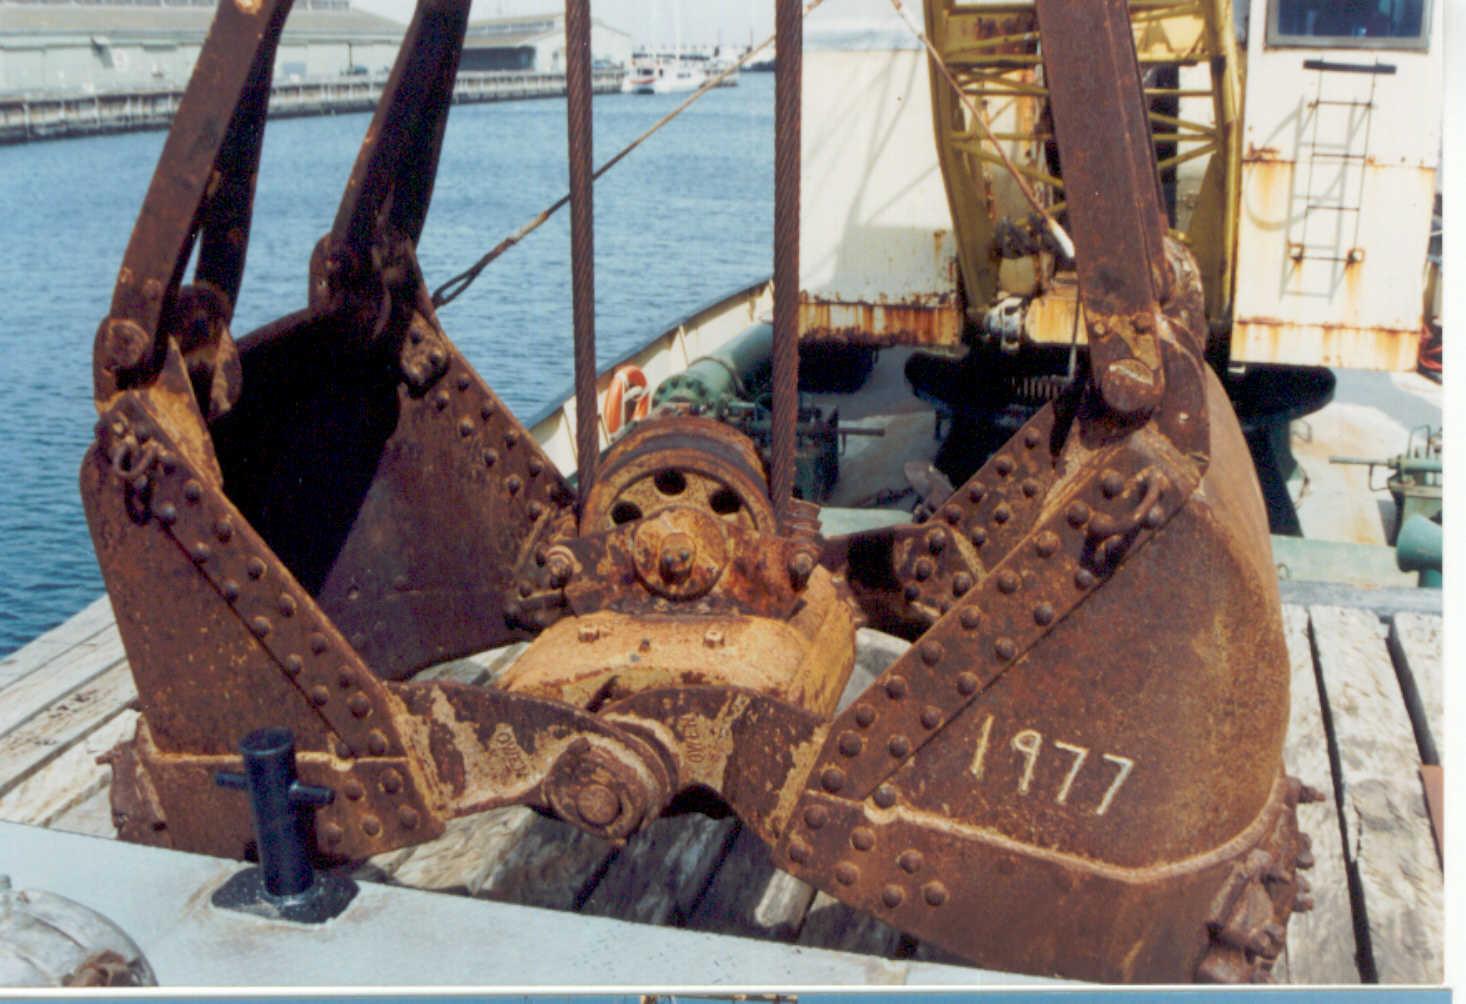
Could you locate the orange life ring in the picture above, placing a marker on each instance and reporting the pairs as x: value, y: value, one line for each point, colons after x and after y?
x: 627, y: 399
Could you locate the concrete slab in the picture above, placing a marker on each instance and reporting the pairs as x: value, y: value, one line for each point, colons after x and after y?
x: 392, y: 936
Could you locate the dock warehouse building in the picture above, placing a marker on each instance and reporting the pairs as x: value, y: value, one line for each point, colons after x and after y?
x: 84, y: 46
x: 536, y: 43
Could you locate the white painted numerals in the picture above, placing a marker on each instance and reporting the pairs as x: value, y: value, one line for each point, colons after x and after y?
x: 1029, y: 744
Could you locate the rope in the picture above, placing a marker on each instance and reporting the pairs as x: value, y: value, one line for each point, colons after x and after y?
x: 454, y: 287
x: 578, y: 95
x: 789, y: 68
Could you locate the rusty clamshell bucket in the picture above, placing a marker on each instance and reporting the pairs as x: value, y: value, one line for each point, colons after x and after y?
x: 1075, y: 769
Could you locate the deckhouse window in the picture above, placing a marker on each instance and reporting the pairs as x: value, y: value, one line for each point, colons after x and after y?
x: 1352, y: 24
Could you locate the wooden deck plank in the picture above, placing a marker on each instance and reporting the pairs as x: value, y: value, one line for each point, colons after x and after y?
x: 40, y: 650
x: 832, y: 924
x: 50, y: 733
x: 549, y: 864
x: 1387, y: 838
x: 750, y: 897
x: 1415, y: 648
x: 1321, y: 943
x: 658, y: 877
x: 69, y: 779
x: 76, y: 667
x: 91, y: 816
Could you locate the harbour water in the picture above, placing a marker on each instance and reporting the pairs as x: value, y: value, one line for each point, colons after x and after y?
x: 686, y: 218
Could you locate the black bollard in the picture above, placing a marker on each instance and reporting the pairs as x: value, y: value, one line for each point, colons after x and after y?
x: 285, y: 885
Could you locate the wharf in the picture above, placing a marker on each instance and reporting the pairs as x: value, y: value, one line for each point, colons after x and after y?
x: 25, y: 117
x: 1366, y: 713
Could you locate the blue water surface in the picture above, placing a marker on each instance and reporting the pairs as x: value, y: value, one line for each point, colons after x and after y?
x: 687, y: 218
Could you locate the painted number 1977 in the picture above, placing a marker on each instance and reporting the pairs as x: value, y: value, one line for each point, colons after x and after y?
x: 1029, y: 743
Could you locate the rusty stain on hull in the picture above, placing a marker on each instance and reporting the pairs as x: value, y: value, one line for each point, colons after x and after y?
x: 930, y: 324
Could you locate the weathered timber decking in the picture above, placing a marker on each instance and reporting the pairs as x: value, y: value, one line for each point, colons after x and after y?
x: 1366, y: 713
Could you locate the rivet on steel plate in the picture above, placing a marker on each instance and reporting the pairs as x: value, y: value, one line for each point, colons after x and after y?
x: 1005, y: 648
x: 1030, y: 488
x: 975, y: 493
x: 1084, y: 579
x: 1046, y: 543
x: 230, y: 589
x: 535, y: 466
x: 376, y: 743
x: 851, y: 744
x: 465, y: 427
x: 952, y: 513
x: 970, y: 617
x: 513, y: 483
x: 862, y: 839
x: 408, y: 817
x: 898, y: 746
x: 864, y: 715
x: 936, y: 540
x: 353, y: 790
x: 934, y: 893
x: 961, y: 583
x: 317, y: 643
x: 910, y: 861
x: 486, y: 410
x: 885, y: 796
x: 167, y: 514
x: 798, y: 851
x: 816, y: 816
x: 286, y: 604
x: 893, y: 895
x: 511, y: 438
x: 846, y: 873
x: 931, y: 652
x: 931, y: 716
x: 1009, y: 581
x: 224, y: 530
x: 1030, y: 438
x: 1154, y: 517
x: 371, y: 826
x: 254, y: 567
x: 1002, y: 512
x: 260, y: 626
x: 319, y: 694
x: 1043, y: 614
x: 192, y: 490
x: 491, y: 457
x: 1003, y: 465
x: 924, y: 569
x: 332, y: 833
x: 966, y: 684
x: 912, y: 593
x: 391, y: 782
x: 1111, y: 484
x: 896, y: 688
x: 294, y: 664
x: 358, y: 704
x: 200, y: 552
x: 440, y: 400
x: 832, y: 779
x: 978, y: 535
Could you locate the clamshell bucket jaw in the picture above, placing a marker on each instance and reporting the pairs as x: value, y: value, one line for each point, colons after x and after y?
x: 1075, y: 769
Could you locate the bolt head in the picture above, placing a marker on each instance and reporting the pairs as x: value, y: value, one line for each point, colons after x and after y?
x: 598, y: 805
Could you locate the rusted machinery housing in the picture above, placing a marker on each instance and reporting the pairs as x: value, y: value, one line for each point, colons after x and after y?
x: 1075, y: 769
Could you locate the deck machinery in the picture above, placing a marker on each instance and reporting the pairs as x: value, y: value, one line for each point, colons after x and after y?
x: 1075, y: 769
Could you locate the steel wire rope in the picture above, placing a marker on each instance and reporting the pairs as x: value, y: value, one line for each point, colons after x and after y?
x: 451, y: 289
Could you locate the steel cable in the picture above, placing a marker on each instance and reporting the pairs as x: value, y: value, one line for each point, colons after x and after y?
x: 788, y: 72
x: 582, y: 238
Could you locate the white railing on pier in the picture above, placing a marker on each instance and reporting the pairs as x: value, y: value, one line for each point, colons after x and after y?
x: 52, y: 114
